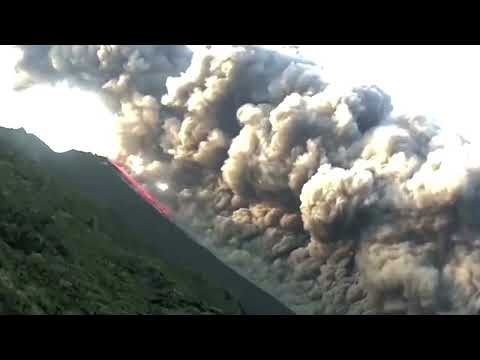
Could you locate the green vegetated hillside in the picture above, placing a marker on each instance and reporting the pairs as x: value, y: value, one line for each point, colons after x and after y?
x: 61, y: 254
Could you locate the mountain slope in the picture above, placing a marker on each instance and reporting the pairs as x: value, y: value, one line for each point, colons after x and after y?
x: 60, y: 254
x: 134, y: 224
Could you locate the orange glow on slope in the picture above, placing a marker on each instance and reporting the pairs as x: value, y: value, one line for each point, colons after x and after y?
x: 162, y: 209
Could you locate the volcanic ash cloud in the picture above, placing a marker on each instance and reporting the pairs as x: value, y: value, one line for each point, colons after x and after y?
x: 323, y: 199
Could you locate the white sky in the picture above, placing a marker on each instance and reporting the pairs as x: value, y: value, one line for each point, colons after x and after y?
x: 440, y: 81
x: 61, y: 116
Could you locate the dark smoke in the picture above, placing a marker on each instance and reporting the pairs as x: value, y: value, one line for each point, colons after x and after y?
x: 325, y: 200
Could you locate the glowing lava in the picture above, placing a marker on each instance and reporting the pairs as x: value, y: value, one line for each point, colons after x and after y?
x: 140, y: 190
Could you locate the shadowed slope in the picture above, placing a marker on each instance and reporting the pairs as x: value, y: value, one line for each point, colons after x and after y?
x: 87, y: 174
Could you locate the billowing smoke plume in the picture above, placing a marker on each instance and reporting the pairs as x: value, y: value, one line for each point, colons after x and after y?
x: 325, y: 200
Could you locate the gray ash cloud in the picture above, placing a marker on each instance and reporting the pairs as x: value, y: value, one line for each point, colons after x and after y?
x: 323, y: 199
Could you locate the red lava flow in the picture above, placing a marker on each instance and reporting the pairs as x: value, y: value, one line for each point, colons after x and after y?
x: 162, y: 209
